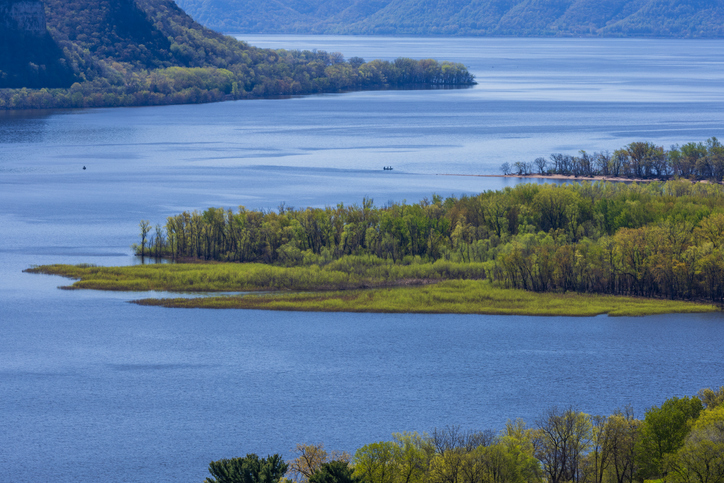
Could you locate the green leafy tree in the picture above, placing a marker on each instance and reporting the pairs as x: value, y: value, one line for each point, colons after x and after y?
x: 335, y: 472
x: 519, y: 441
x: 412, y: 453
x: 623, y: 431
x: 249, y: 469
x: 563, y: 438
x: 376, y: 463
x: 663, y: 432
x: 701, y: 458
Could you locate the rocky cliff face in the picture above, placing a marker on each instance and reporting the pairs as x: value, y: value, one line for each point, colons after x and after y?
x: 25, y: 15
x: 29, y: 57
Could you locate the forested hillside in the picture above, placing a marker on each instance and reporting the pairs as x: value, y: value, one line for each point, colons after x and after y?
x: 633, y: 18
x: 147, y: 52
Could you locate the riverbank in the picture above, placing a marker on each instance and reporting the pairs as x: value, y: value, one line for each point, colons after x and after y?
x: 372, y: 295
x: 561, y: 177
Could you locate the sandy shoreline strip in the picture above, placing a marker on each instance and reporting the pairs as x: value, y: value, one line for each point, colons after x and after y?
x: 560, y: 177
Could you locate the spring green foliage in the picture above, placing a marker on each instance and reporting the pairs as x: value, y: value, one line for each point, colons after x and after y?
x: 465, y: 17
x: 659, y: 240
x: 664, y: 431
x: 452, y: 297
x: 701, y: 458
x: 638, y: 160
x: 334, y: 472
x: 249, y: 469
x: 149, y: 52
x: 450, y: 455
x: 561, y: 446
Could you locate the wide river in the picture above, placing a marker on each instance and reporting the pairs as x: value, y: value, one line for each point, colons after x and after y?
x: 93, y: 388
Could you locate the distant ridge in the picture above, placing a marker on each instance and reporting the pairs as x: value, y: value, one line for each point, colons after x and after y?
x: 606, y: 18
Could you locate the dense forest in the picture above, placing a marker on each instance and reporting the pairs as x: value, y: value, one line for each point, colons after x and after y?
x: 638, y: 160
x: 612, y: 18
x: 659, y: 239
x: 149, y: 52
x: 681, y: 441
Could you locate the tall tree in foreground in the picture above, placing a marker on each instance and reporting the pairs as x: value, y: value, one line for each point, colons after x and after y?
x: 701, y: 458
x: 334, y: 472
x: 663, y: 432
x: 249, y: 469
x: 563, y: 439
x: 623, y: 432
x: 311, y: 458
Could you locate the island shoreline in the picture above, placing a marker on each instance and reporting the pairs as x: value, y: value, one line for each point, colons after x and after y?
x: 563, y: 177
x: 420, y: 296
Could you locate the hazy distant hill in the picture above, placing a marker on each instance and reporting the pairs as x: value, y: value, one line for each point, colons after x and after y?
x: 94, y: 53
x: 640, y: 18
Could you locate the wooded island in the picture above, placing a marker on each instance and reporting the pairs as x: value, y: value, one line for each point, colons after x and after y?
x: 654, y: 240
x: 661, y: 240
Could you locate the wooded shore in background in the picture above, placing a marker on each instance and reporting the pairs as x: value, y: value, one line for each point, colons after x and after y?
x: 681, y: 441
x: 638, y: 160
x: 149, y: 52
x: 661, y: 240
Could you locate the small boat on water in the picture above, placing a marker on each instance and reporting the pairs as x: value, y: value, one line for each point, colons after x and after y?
x: 387, y: 168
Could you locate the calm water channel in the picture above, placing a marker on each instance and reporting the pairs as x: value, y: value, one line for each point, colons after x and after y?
x: 95, y: 389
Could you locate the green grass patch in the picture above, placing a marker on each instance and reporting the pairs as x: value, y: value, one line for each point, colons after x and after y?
x: 343, y: 274
x: 451, y: 297
x: 353, y: 285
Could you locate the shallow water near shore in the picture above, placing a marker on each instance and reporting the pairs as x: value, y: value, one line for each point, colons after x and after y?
x: 93, y: 388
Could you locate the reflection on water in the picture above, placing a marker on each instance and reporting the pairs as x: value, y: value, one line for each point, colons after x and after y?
x: 93, y: 388
x: 22, y: 127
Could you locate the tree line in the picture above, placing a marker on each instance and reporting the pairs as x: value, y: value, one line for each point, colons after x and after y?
x: 681, y: 441
x: 640, y: 160
x: 660, y: 239
x: 286, y: 73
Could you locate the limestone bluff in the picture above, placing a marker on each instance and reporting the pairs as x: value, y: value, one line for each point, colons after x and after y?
x: 24, y: 15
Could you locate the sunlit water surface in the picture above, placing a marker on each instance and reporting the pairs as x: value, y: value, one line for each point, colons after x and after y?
x: 93, y: 388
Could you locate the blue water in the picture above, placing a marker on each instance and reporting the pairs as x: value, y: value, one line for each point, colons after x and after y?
x: 95, y: 389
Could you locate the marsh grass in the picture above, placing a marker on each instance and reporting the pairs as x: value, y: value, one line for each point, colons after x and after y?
x: 344, y: 274
x: 450, y: 297
x: 353, y: 285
